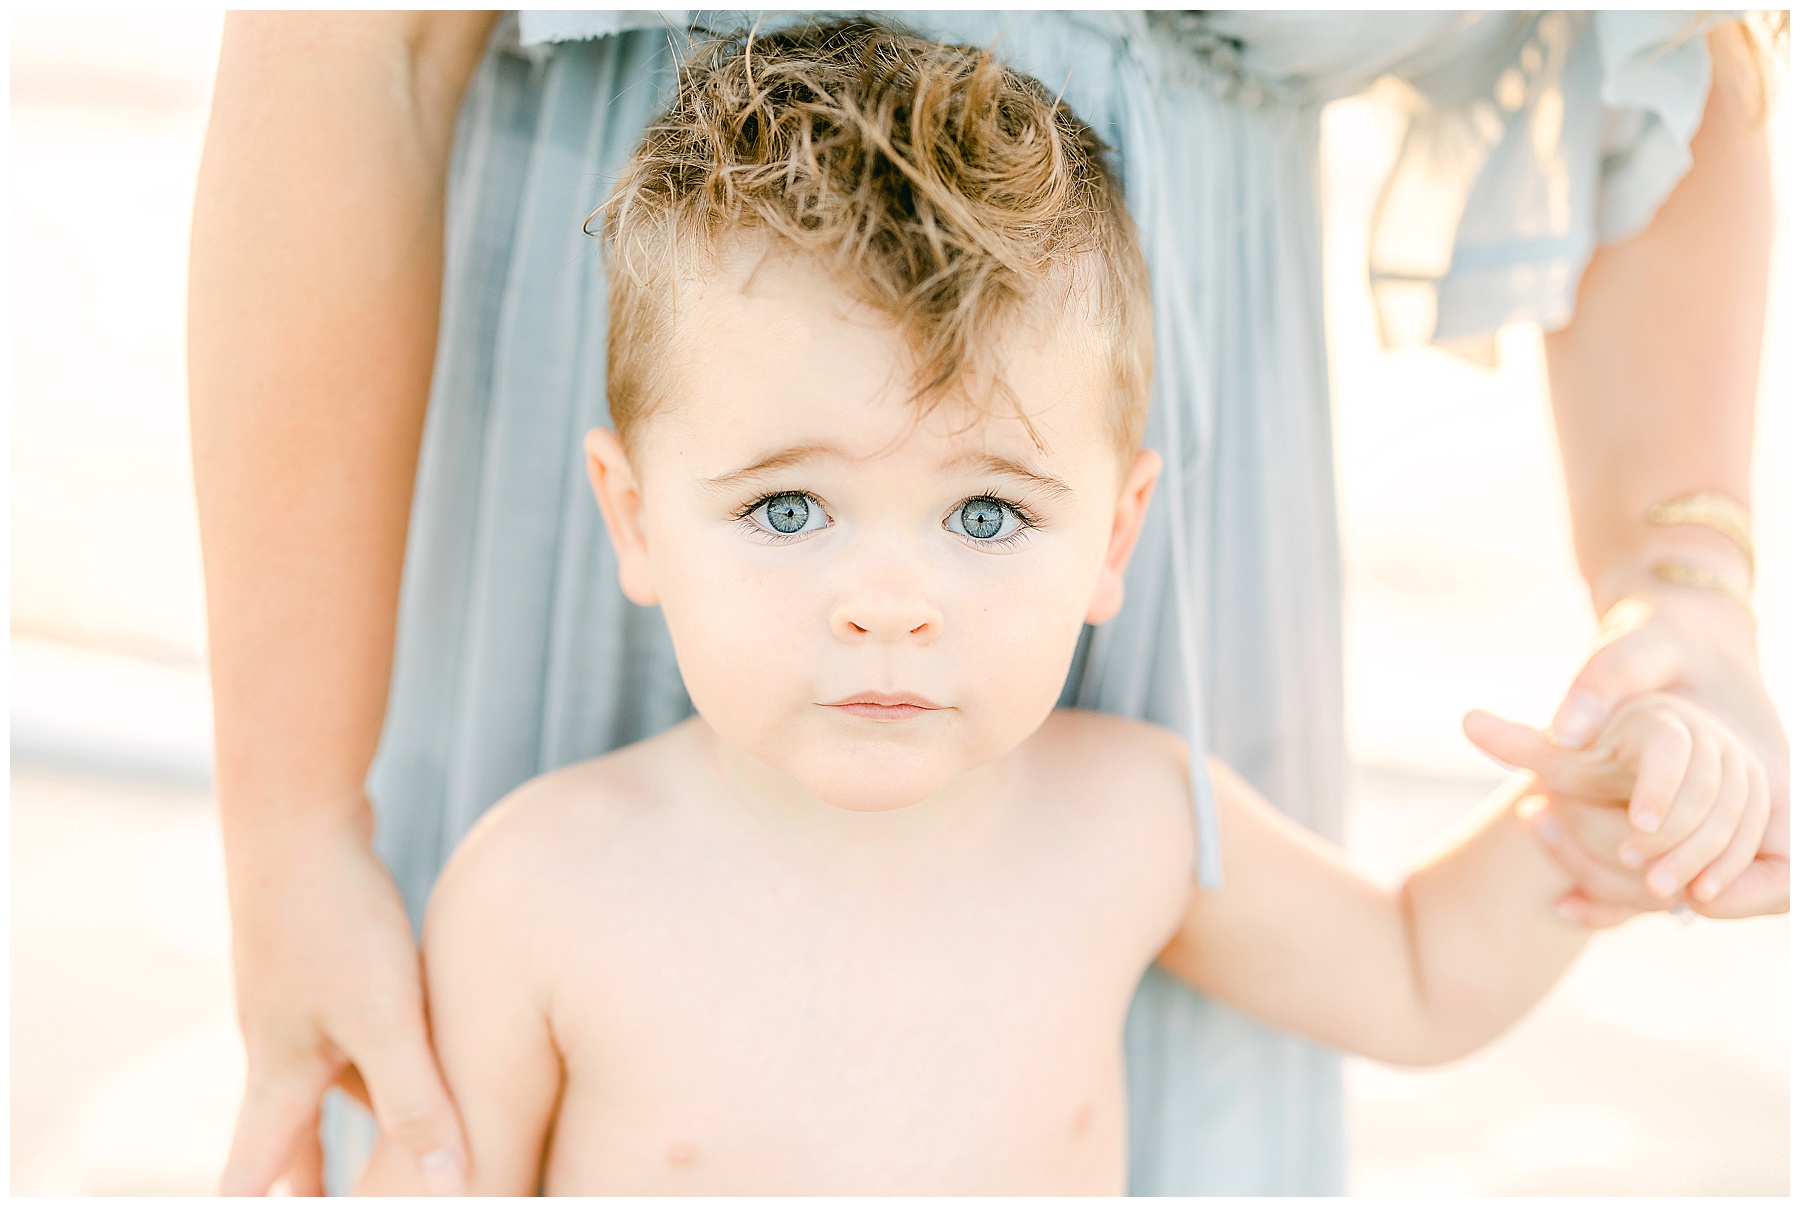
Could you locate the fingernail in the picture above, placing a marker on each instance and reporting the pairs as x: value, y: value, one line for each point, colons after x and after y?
x: 1547, y: 827
x: 1643, y: 819
x: 1706, y: 888
x: 1576, y: 720
x: 1661, y: 883
x: 1631, y: 857
x: 1567, y: 912
x: 439, y: 1170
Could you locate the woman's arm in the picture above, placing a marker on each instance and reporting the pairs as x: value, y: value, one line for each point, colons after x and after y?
x: 313, y: 304
x: 1654, y: 380
x: 1654, y: 388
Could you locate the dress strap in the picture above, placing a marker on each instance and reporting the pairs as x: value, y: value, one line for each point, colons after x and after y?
x: 1153, y: 212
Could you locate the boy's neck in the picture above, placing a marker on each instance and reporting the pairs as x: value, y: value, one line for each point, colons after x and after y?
x: 948, y: 818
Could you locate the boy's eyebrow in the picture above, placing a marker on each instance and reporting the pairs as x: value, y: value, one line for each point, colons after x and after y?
x: 991, y: 462
x: 780, y: 460
x: 994, y: 463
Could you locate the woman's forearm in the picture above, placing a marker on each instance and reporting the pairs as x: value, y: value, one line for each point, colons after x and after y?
x: 1654, y: 381
x: 314, y: 282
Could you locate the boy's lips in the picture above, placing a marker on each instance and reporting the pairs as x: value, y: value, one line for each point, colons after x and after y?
x: 885, y: 706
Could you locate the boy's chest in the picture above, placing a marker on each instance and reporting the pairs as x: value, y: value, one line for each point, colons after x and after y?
x: 752, y: 1035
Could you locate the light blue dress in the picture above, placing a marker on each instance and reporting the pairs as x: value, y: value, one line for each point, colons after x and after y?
x: 1534, y: 137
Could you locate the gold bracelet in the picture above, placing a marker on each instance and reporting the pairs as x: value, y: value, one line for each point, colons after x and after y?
x: 1717, y: 512
x: 1687, y: 574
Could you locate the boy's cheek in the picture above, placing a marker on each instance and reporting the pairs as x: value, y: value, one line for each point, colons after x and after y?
x: 749, y: 642
x: 724, y: 596
x: 754, y: 632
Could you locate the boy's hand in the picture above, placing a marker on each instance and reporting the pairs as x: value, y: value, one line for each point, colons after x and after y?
x: 1605, y: 891
x: 1698, y: 799
x: 1703, y: 646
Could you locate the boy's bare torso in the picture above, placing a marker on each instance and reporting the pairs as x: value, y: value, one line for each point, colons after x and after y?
x: 745, y: 1008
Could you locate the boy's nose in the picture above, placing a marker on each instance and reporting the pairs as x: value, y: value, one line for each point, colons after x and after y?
x: 887, y: 616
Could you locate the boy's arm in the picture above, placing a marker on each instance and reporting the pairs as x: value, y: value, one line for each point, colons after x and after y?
x: 490, y: 1022
x: 1414, y: 975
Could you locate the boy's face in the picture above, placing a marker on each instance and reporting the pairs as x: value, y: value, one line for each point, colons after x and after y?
x: 869, y: 603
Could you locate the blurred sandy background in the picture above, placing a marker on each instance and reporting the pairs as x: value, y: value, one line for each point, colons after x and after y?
x: 1659, y: 1066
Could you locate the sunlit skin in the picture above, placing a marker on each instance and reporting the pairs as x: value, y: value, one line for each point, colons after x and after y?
x: 312, y: 328
x: 870, y: 830
x: 871, y: 922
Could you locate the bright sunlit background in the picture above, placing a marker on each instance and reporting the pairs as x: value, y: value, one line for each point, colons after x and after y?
x: 1658, y: 1066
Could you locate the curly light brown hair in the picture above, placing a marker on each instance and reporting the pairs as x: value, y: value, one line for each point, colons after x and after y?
x: 928, y: 180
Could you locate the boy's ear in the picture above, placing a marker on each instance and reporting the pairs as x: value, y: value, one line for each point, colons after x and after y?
x: 622, y: 505
x: 1128, y: 522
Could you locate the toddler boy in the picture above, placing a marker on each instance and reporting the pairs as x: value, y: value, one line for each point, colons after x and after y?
x: 869, y: 923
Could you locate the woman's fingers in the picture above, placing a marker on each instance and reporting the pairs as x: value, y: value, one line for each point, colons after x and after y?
x: 1626, y: 666
x: 1741, y: 850
x: 407, y: 1094
x: 351, y: 1082
x: 306, y: 1169
x: 1720, y: 819
x: 1576, y: 773
x: 276, y: 1112
x: 1514, y: 744
x: 1762, y: 888
x: 1575, y: 907
x: 389, y: 1172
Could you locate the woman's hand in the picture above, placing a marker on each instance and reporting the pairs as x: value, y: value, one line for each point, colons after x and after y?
x: 1700, y: 645
x: 329, y: 992
x: 1653, y: 383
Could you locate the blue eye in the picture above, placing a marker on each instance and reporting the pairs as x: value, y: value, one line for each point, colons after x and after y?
x: 787, y: 513
x: 790, y: 513
x: 985, y: 519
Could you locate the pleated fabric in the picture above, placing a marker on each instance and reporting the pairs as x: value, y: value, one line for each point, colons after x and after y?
x: 516, y: 652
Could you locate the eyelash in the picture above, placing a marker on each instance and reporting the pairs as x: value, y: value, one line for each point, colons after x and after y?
x: 779, y: 538
x: 1028, y: 520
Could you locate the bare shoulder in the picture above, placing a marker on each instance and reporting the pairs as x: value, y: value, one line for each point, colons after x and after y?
x: 1130, y: 767
x: 539, y: 847
x: 1123, y: 783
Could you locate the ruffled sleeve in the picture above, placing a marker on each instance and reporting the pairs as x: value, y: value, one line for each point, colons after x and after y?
x: 537, y: 26
x: 1520, y: 160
